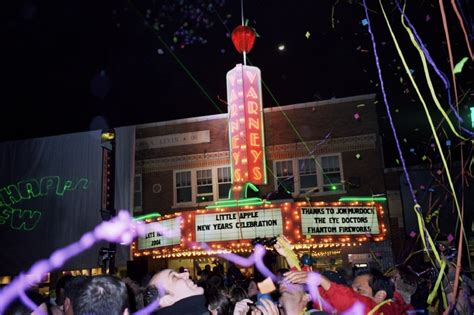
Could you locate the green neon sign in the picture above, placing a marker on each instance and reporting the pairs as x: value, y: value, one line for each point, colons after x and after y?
x: 255, y: 201
x: 472, y: 117
x: 12, y: 194
x: 147, y: 216
x: 361, y: 199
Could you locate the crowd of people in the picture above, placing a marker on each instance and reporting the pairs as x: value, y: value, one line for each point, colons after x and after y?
x: 296, y: 290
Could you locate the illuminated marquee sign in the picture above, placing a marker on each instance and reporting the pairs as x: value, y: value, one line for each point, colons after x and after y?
x: 162, y: 233
x: 244, y: 97
x: 225, y: 226
x: 339, y: 220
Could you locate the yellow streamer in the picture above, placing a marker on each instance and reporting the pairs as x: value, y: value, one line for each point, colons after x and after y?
x: 430, y: 120
x: 418, y: 207
x: 432, y: 295
x: 428, y: 78
x: 376, y: 307
x: 441, y: 263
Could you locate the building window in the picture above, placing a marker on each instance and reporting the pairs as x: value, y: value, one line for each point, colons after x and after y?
x: 331, y: 173
x: 183, y: 187
x: 204, y: 186
x: 198, y: 186
x: 309, y: 175
x: 224, y: 182
x: 137, y: 193
x: 284, y: 174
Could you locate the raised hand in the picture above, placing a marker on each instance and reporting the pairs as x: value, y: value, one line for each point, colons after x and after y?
x: 268, y: 307
x: 299, y: 277
x: 242, y: 307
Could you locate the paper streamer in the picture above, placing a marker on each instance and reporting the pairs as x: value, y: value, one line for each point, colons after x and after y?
x: 426, y: 70
x: 466, y: 38
x: 120, y: 229
x: 390, y: 119
x: 440, y: 74
x: 430, y: 120
x: 428, y: 80
x: 460, y: 65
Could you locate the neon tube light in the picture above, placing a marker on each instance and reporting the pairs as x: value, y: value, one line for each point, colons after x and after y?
x: 147, y: 216
x: 357, y: 198
x: 255, y: 201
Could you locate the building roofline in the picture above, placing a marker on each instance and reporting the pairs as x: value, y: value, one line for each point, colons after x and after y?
x: 356, y: 98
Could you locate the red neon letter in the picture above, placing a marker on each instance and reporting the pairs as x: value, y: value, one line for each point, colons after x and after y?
x: 256, y: 154
x: 257, y: 173
x: 252, y: 107
x: 236, y: 156
x: 253, y: 139
x: 234, y: 126
x: 235, y: 142
x: 251, y: 75
x: 251, y: 93
x: 237, y: 175
x: 255, y: 123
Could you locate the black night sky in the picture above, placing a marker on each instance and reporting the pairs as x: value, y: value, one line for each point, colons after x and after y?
x: 132, y: 62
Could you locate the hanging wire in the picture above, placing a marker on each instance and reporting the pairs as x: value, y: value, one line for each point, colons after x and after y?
x: 242, y: 15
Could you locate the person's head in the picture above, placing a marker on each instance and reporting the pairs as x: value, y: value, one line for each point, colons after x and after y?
x: 207, y: 267
x: 237, y: 293
x: 372, y: 283
x: 334, y: 277
x: 293, y: 298
x: 60, y: 285
x: 102, y: 295
x: 71, y: 291
x: 217, y: 302
x: 150, y: 295
x: 252, y: 289
x: 176, y: 286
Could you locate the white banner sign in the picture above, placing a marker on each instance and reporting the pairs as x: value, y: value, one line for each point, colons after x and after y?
x: 162, y: 233
x: 339, y: 220
x: 203, y: 136
x: 225, y: 226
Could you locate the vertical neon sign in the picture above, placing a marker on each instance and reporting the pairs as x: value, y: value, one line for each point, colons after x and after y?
x: 246, y: 139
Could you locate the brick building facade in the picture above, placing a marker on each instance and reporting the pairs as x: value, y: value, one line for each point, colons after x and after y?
x: 183, y: 164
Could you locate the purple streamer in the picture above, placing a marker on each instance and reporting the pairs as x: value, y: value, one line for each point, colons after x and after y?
x: 326, y: 138
x: 149, y: 308
x: 442, y: 76
x: 120, y: 229
x: 382, y: 87
x: 356, y: 309
x: 236, y: 259
x: 259, y: 252
x: 30, y: 304
x: 255, y: 259
x: 314, y: 279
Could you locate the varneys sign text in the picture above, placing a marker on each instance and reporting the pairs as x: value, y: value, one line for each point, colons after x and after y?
x: 246, y: 138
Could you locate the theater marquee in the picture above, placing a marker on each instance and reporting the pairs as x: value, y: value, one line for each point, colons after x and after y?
x: 307, y: 225
x: 339, y: 220
x: 225, y: 226
x: 162, y: 233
